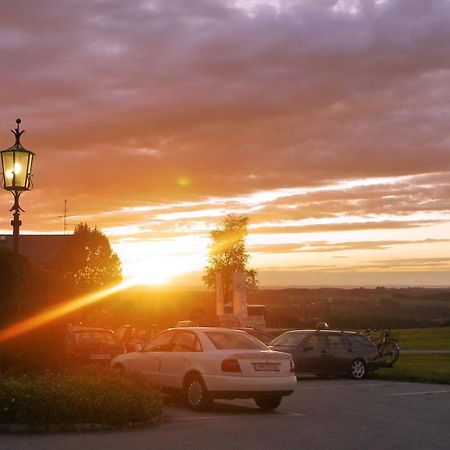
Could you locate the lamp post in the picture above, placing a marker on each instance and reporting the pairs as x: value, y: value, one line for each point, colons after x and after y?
x: 16, y: 170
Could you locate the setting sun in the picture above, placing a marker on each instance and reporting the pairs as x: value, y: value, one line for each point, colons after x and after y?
x: 156, y: 262
x: 149, y: 272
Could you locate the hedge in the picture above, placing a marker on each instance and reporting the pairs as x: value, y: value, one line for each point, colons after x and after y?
x: 83, y: 396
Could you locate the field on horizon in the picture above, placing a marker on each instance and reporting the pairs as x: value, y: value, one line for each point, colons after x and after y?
x: 291, y: 308
x: 436, y: 338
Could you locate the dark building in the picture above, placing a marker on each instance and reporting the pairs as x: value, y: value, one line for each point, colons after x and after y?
x: 41, y: 249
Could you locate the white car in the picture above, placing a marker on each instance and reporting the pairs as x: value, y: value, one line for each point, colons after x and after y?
x: 206, y: 363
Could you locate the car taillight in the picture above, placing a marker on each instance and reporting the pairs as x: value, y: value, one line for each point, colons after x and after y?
x: 292, y: 366
x: 230, y: 365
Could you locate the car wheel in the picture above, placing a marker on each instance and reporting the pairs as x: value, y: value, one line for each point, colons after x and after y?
x: 358, y: 369
x: 196, y: 394
x: 268, y: 403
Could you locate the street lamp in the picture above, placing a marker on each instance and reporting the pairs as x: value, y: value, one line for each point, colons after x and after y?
x: 16, y: 171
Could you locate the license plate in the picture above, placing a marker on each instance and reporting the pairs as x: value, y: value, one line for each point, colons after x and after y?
x: 100, y: 356
x: 266, y: 366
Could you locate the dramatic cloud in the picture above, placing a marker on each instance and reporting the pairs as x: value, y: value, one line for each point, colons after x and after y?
x: 155, y: 118
x: 341, y: 246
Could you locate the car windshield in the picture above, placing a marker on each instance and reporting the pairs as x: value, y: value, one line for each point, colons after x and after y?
x: 227, y: 340
x: 264, y: 338
x: 289, y: 339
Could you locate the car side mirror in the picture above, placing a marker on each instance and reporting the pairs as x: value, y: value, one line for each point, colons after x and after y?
x: 139, y: 347
x: 270, y: 347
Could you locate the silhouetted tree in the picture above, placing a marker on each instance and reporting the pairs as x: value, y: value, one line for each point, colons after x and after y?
x: 227, y: 254
x: 88, y: 262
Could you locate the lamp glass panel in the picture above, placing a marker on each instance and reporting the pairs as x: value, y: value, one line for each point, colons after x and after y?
x: 30, y: 164
x: 20, y: 169
x: 8, y: 169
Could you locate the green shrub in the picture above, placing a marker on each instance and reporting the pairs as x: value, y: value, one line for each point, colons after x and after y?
x: 42, y: 349
x: 92, y: 395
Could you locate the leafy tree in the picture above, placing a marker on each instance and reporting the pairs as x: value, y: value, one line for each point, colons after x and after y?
x: 227, y: 254
x: 87, y: 261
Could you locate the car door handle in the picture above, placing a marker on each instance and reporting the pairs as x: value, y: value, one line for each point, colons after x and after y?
x: 323, y: 351
x: 350, y: 350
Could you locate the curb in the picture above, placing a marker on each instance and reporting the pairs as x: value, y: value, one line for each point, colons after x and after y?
x: 76, y: 427
x: 424, y: 351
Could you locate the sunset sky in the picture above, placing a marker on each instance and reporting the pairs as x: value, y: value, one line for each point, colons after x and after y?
x: 326, y: 122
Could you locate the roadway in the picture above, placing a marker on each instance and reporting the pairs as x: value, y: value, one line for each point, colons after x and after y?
x: 321, y: 414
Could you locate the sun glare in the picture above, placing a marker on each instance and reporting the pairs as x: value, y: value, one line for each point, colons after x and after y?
x: 58, y: 311
x: 156, y: 262
x: 156, y: 271
x: 144, y: 273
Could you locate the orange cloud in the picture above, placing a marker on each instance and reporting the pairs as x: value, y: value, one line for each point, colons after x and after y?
x: 154, y: 119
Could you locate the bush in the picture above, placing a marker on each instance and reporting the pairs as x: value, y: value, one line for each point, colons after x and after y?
x: 42, y: 349
x: 92, y: 395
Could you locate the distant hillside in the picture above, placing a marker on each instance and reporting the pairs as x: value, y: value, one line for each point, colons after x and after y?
x: 357, y: 307
x: 293, y: 307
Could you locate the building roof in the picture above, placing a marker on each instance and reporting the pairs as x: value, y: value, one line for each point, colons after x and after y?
x: 41, y: 249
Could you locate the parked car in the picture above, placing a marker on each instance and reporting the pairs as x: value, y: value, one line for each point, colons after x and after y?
x: 186, y: 323
x: 131, y: 336
x: 207, y: 363
x: 92, y: 345
x: 265, y: 337
x: 326, y: 352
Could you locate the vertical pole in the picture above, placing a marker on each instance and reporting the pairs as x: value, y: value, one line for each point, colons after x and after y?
x: 219, y: 296
x: 16, y: 222
x: 65, y: 215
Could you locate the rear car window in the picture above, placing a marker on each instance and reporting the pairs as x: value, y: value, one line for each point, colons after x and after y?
x: 289, y: 339
x: 360, y: 340
x: 94, y: 338
x: 233, y: 341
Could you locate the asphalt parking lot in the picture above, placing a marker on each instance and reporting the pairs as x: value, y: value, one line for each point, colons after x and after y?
x: 321, y: 414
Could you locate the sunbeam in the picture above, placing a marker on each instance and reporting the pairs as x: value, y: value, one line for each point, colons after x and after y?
x: 58, y: 311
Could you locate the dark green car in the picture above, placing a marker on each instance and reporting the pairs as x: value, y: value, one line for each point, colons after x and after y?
x: 327, y: 352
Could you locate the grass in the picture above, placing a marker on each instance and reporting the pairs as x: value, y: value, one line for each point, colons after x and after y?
x: 437, y: 338
x: 430, y: 368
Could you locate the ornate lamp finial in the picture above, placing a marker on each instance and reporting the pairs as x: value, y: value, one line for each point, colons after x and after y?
x: 17, y: 133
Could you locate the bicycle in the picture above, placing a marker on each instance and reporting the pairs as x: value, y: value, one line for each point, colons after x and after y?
x: 387, y: 348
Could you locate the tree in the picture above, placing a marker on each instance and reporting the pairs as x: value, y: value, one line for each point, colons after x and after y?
x: 227, y: 254
x: 88, y: 262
